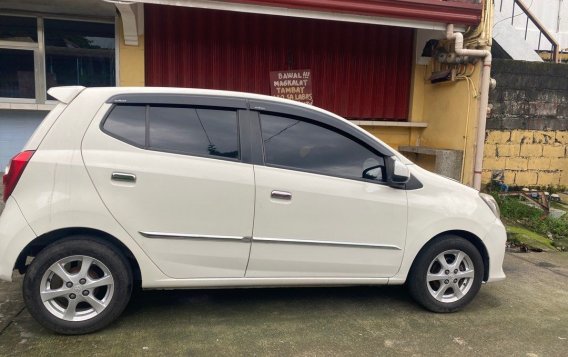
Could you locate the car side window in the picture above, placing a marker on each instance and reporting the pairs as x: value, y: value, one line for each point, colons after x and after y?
x: 298, y: 144
x: 128, y: 123
x: 197, y: 131
x: 185, y: 130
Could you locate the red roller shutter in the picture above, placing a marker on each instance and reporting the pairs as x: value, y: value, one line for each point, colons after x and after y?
x: 358, y: 71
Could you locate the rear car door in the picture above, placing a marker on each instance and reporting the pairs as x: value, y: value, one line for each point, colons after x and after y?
x: 171, y: 171
x: 322, y: 207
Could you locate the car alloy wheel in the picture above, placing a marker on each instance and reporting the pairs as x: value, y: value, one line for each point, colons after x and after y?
x: 447, y: 274
x: 450, y: 276
x: 78, y: 284
x: 77, y: 288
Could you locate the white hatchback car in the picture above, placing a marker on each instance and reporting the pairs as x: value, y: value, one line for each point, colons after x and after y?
x: 185, y: 188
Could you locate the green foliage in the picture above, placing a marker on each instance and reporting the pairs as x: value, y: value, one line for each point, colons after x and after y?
x: 516, y: 212
x: 513, y: 208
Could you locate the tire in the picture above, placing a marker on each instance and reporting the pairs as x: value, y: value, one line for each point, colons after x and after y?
x: 449, y: 290
x: 98, y: 294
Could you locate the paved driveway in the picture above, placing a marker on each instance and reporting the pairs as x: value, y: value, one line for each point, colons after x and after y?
x: 526, y: 315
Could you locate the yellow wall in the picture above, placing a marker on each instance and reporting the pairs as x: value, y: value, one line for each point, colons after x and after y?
x: 131, y: 62
x: 444, y: 107
x: 451, y: 125
x: 393, y: 136
x: 527, y: 157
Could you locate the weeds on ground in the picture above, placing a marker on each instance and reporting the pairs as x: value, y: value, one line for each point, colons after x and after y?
x: 515, y: 212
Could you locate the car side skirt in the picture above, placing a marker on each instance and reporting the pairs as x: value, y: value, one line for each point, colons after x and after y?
x: 219, y: 283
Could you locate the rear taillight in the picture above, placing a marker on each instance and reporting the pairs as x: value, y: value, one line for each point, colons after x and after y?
x: 14, y: 172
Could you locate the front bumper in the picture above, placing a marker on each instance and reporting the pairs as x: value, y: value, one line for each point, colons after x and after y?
x: 495, y: 242
x: 15, y: 234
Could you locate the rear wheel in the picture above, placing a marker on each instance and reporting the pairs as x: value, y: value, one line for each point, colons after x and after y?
x: 446, y: 275
x: 77, y: 285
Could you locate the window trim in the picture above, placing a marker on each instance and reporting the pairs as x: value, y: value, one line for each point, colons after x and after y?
x: 38, y: 48
x: 146, y: 147
x: 326, y: 126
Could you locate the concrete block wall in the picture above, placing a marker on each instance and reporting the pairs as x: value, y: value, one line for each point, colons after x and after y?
x: 527, y: 126
x: 528, y: 157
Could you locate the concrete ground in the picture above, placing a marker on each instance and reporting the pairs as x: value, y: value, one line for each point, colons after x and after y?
x: 525, y: 315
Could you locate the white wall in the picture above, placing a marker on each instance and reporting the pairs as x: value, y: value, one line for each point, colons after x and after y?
x: 553, y: 14
x: 16, y: 126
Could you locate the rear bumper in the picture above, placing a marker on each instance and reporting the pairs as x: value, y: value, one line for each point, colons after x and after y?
x: 495, y: 242
x: 15, y: 234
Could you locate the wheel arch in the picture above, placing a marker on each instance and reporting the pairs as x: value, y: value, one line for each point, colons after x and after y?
x: 46, y: 239
x: 472, y: 238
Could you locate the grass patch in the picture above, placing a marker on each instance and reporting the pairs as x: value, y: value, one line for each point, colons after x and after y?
x: 519, y: 235
x: 516, y: 213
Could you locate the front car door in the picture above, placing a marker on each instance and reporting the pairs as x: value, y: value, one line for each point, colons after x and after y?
x: 322, y: 208
x: 171, y: 172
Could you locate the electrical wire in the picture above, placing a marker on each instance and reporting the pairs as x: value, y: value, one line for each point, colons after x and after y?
x: 469, y: 82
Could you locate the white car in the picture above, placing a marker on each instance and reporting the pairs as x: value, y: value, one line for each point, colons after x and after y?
x: 185, y: 188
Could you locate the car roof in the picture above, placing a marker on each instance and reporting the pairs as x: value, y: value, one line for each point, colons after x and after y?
x: 116, y: 91
x: 208, y: 92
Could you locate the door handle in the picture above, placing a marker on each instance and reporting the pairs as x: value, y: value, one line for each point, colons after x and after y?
x: 281, y: 195
x: 123, y: 176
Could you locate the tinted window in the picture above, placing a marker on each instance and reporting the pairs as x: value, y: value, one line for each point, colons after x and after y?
x: 79, y: 53
x: 301, y: 145
x: 128, y: 122
x: 21, y: 29
x: 204, y: 132
x: 79, y: 34
x: 17, y: 74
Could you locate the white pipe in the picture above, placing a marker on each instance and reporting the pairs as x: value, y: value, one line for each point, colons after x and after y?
x: 484, y: 98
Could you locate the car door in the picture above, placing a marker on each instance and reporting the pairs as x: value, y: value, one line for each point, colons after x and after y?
x: 173, y: 176
x: 322, y: 208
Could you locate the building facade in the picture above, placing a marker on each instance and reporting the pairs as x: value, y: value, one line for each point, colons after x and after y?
x: 372, y: 62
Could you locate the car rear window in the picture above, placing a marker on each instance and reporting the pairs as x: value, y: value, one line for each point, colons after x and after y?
x: 127, y: 123
x: 196, y: 131
x: 177, y: 129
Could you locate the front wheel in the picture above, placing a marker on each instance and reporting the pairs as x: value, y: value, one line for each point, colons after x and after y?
x: 77, y: 285
x: 446, y: 275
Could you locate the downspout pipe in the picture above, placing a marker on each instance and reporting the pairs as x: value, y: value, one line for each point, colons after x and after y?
x: 484, y: 98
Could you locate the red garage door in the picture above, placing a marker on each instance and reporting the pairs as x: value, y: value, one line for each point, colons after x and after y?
x: 358, y: 71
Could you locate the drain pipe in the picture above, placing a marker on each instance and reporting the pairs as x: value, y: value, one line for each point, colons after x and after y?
x: 484, y: 98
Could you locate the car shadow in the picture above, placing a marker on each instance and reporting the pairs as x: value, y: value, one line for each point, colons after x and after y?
x: 292, y: 300
x: 250, y: 303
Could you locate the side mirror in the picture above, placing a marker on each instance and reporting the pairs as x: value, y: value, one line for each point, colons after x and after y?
x: 400, y: 173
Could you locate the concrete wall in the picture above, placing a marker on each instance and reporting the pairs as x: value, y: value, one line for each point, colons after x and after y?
x: 527, y: 127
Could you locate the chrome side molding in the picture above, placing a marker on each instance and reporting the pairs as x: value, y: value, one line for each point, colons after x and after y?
x: 192, y: 236
x: 325, y: 242
x: 248, y: 239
